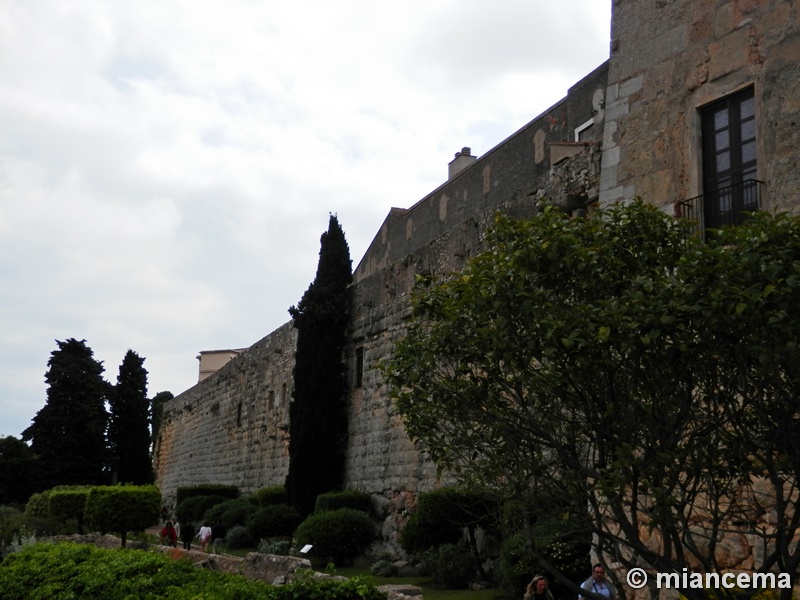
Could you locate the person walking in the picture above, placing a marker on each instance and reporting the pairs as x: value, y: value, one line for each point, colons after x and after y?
x: 598, y: 584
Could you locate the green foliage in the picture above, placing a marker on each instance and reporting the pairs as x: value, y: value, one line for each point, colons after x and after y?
x: 229, y: 492
x: 273, y: 520
x: 318, y: 414
x: 195, y: 508
x: 275, y: 545
x: 231, y: 512
x: 66, y: 571
x: 129, y: 423
x: 68, y: 434
x: 11, y: 523
x: 275, y: 494
x: 346, y: 499
x: 676, y: 363
x: 239, y: 537
x: 337, y: 535
x: 440, y: 516
x: 18, y: 466
x: 450, y: 565
x: 122, y: 509
x: 38, y: 505
x: 65, y: 504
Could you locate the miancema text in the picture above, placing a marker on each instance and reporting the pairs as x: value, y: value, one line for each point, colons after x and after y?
x: 723, y: 580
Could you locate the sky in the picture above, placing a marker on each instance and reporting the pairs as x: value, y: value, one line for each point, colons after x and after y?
x: 167, y: 166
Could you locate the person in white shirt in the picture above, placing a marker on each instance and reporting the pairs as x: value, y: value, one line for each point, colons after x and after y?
x: 598, y: 584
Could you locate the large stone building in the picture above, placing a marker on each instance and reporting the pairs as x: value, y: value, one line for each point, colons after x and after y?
x: 696, y: 110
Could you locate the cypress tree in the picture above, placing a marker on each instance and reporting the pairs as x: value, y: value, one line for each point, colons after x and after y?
x: 129, y: 429
x: 68, y: 434
x: 318, y: 412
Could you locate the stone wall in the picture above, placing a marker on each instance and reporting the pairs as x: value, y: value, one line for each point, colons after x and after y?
x: 232, y: 428
x: 672, y: 57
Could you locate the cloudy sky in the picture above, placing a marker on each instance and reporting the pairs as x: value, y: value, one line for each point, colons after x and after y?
x: 167, y: 167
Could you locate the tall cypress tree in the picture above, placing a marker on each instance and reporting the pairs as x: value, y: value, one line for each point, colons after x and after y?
x: 68, y: 435
x: 318, y: 412
x: 129, y: 428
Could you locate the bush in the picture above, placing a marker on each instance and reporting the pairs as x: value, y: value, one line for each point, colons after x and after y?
x: 81, y: 571
x: 347, y: 499
x: 273, y: 520
x: 450, y: 565
x: 239, y: 537
x: 122, y: 508
x: 231, y: 512
x: 195, y: 507
x: 66, y: 504
x: 229, y: 492
x: 38, y: 505
x: 440, y: 517
x: 268, y: 496
x: 275, y: 545
x: 337, y: 535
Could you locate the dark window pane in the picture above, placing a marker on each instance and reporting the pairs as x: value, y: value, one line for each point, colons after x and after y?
x: 748, y: 152
x: 723, y: 161
x: 721, y: 119
x: 747, y: 108
x: 722, y: 139
x: 749, y: 130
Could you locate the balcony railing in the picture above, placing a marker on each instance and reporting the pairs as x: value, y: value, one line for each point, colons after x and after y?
x: 725, y: 206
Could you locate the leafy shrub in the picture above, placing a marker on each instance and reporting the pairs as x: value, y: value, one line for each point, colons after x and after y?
x: 273, y: 520
x: 239, y: 537
x: 230, y: 512
x: 66, y: 504
x: 450, y: 565
x: 195, y: 507
x: 383, y: 568
x: 275, y: 494
x: 275, y: 545
x: 347, y: 499
x: 122, y: 508
x: 80, y: 571
x: 337, y: 535
x: 38, y: 505
x: 229, y: 492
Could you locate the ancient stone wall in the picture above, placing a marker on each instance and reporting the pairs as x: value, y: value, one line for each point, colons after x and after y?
x: 232, y: 428
x: 670, y: 58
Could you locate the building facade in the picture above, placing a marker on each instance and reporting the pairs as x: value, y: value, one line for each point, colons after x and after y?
x: 696, y: 111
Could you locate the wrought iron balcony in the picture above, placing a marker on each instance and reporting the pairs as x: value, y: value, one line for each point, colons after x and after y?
x: 725, y: 206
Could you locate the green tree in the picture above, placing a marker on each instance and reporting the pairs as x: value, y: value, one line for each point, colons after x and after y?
x: 129, y: 427
x: 318, y: 413
x: 18, y: 468
x: 598, y: 362
x: 68, y: 434
x: 122, y: 508
x: 157, y: 411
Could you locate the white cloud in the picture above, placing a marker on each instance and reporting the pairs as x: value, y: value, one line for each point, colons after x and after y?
x: 167, y: 168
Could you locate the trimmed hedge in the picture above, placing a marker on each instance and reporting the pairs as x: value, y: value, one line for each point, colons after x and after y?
x: 337, y: 535
x: 273, y: 521
x: 231, y: 512
x: 229, y: 492
x: 65, y: 504
x: 267, y: 496
x: 194, y: 508
x: 347, y: 499
x: 123, y: 508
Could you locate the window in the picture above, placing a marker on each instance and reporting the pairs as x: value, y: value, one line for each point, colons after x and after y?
x: 359, y: 366
x: 729, y: 160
